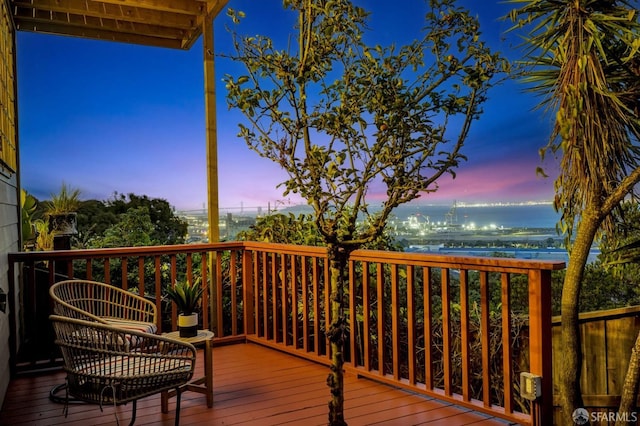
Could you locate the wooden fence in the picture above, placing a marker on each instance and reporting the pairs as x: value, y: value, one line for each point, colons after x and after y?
x: 607, y: 339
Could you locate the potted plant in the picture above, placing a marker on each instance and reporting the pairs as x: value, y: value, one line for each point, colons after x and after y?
x: 62, y: 211
x: 186, y: 296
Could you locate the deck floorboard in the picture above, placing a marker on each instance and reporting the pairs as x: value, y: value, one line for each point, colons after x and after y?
x: 253, y: 385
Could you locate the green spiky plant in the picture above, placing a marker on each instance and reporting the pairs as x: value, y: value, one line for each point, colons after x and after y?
x: 186, y: 295
x: 65, y: 201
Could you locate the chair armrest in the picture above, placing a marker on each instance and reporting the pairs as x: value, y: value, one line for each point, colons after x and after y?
x: 83, y: 342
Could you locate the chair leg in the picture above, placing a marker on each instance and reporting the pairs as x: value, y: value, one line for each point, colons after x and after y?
x: 133, y: 415
x: 53, y: 393
x: 178, y: 397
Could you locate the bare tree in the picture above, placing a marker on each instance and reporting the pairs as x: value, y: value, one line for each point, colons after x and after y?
x: 346, y: 121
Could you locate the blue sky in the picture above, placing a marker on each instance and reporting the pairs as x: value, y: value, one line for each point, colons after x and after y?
x: 106, y: 117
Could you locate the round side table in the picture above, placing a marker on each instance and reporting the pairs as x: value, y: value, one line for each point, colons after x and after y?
x: 203, y: 385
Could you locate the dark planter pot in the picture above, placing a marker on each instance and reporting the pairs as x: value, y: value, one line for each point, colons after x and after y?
x: 188, y: 325
x: 63, y: 224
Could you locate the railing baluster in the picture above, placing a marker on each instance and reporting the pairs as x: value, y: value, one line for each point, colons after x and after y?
x: 506, y: 343
x: 411, y: 325
x: 265, y: 296
x: 123, y: 274
x: 381, y: 318
x: 428, y: 327
x: 141, y: 286
x: 295, y: 324
x: 69, y: 269
x: 173, y: 262
x: 305, y: 303
x: 464, y: 333
x: 256, y: 291
x: 284, y: 298
x: 395, y: 321
x: 316, y: 306
x: 327, y: 307
x: 366, y: 315
x: 189, y: 260
x: 218, y: 289
x: 446, y: 331
x: 485, y: 338
x: 274, y: 296
x: 353, y: 321
x: 107, y: 270
x: 248, y: 310
x: 206, y: 296
x: 157, y: 274
x: 157, y: 268
x: 52, y: 273
x: 233, y: 273
x: 89, y: 273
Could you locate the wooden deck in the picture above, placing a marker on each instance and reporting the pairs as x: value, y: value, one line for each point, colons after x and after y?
x: 253, y: 385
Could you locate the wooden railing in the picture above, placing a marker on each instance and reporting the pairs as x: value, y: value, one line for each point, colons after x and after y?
x: 147, y: 270
x: 456, y: 328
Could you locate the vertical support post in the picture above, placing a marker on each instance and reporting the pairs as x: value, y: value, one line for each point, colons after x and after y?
x: 540, y: 342
x: 13, y: 330
x: 212, y: 158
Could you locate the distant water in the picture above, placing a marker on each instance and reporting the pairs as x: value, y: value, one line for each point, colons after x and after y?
x: 506, y: 216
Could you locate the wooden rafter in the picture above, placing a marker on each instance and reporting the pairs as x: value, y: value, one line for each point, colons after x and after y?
x: 164, y: 23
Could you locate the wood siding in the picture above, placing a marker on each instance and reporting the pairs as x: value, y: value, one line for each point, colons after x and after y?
x: 8, y: 139
x: 9, y: 230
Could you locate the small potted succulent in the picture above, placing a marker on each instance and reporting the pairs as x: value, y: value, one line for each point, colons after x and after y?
x: 186, y: 296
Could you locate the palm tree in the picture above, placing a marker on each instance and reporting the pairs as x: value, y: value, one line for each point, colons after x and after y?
x: 582, y: 58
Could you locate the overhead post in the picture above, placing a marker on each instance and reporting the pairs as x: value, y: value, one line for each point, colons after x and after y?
x: 212, y: 161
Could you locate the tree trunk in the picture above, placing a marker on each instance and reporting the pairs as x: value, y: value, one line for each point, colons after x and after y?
x: 570, y: 395
x: 630, y: 388
x: 336, y: 334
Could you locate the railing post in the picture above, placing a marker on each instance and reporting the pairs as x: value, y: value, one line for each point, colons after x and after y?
x: 540, y: 344
x: 13, y: 331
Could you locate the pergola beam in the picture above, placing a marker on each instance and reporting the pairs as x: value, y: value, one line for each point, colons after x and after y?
x: 164, y: 23
x: 109, y: 11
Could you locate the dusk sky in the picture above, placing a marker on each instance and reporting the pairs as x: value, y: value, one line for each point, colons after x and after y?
x: 106, y: 117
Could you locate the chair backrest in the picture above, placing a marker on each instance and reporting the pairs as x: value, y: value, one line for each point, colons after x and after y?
x: 94, y: 301
x: 103, y: 368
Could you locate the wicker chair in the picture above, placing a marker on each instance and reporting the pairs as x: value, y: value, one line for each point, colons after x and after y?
x: 103, y: 369
x: 105, y: 304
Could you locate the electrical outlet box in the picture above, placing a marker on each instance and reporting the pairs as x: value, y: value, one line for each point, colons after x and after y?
x: 530, y: 386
